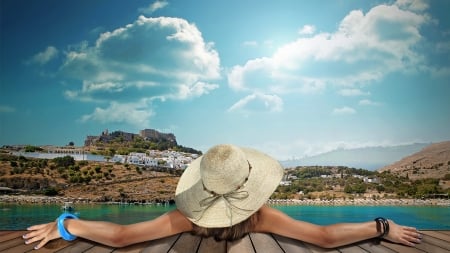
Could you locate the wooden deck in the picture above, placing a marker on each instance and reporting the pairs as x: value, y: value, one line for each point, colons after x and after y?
x: 432, y: 242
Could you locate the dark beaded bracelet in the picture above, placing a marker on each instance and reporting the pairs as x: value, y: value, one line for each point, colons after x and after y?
x: 382, y: 222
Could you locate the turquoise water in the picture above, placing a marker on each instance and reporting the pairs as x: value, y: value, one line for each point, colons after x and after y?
x: 17, y: 217
x: 421, y: 217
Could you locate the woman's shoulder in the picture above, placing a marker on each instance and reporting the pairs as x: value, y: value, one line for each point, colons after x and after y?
x: 267, y: 211
x: 269, y: 218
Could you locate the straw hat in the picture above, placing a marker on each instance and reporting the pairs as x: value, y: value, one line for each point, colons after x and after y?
x: 226, y: 185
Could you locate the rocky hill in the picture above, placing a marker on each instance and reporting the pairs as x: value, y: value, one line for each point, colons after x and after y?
x: 433, y: 161
x: 93, y: 181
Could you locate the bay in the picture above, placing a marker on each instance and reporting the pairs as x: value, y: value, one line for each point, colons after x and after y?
x: 19, y: 217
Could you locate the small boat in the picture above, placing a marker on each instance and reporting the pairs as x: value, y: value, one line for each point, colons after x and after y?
x: 68, y: 207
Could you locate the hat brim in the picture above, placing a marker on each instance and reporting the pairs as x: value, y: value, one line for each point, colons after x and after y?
x: 265, y: 175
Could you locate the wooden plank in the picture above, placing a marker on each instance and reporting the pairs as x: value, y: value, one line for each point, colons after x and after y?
x: 447, y: 232
x: 243, y: 245
x: 265, y: 243
x: 209, y: 245
x: 162, y: 245
x: 290, y: 245
x: 439, y: 242
x: 6, y: 232
x: 437, y: 234
x: 11, y: 243
x: 186, y: 243
x: 400, y: 248
x: 352, y: 248
x: 374, y: 246
x: 99, y: 248
x: 54, y: 246
x: 317, y: 249
x: 15, y: 238
x: 78, y: 246
x: 19, y: 248
x: 433, y: 244
x: 134, y: 248
x: 11, y: 235
x: 432, y: 248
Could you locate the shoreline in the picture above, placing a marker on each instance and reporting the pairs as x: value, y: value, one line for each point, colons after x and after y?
x: 39, y: 199
x: 363, y: 202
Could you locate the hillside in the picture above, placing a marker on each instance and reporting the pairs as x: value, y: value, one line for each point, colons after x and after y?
x: 94, y: 181
x: 433, y: 161
x: 104, y: 181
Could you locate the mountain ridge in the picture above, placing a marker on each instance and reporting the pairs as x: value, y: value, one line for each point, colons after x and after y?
x: 370, y: 158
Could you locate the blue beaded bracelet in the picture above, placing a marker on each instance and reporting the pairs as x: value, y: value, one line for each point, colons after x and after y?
x: 62, y: 230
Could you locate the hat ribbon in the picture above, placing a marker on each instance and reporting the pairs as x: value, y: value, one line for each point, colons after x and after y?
x: 228, y: 198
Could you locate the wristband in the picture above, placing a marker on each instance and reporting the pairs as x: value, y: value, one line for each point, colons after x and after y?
x: 62, y: 230
x: 382, y: 221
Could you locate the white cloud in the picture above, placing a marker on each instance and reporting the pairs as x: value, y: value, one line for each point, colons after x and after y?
x: 167, y: 51
x: 136, y: 114
x: 152, y: 58
x: 440, y: 72
x: 246, y: 77
x: 415, y: 5
x: 45, y: 56
x: 353, y: 92
x: 258, y: 102
x: 344, y: 111
x: 369, y: 102
x: 195, y: 90
x: 154, y: 7
x: 307, y: 30
x: 365, y: 48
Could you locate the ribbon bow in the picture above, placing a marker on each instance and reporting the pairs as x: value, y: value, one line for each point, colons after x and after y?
x: 228, y: 198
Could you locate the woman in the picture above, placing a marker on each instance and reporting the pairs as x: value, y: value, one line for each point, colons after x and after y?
x: 222, y: 194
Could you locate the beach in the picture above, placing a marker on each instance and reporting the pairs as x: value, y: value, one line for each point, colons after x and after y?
x: 364, y: 202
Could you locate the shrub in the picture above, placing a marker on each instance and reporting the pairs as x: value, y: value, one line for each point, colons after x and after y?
x: 83, y: 163
x: 51, y: 191
x: 65, y: 161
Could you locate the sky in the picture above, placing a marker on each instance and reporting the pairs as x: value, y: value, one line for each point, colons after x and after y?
x: 290, y: 78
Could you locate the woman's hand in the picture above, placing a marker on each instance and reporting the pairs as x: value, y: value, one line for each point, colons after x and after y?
x: 43, y: 233
x: 403, y: 234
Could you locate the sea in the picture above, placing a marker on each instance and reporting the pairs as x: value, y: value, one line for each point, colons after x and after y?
x: 21, y: 216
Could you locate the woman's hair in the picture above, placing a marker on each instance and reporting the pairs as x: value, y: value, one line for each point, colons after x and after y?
x: 232, y: 233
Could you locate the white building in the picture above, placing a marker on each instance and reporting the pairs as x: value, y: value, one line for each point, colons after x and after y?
x: 154, y: 158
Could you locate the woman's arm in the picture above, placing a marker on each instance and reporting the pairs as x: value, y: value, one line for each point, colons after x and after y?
x: 274, y: 221
x: 110, y: 233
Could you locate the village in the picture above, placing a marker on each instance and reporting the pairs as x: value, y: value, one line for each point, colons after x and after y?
x: 154, y: 158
